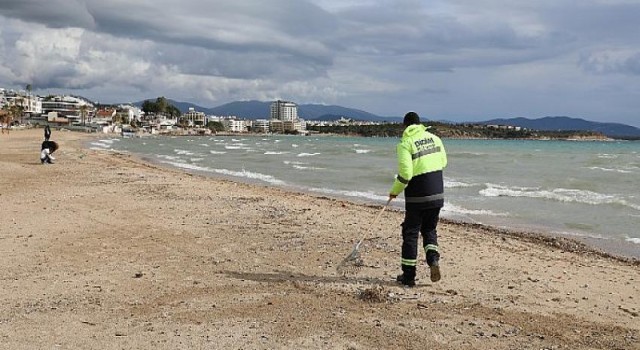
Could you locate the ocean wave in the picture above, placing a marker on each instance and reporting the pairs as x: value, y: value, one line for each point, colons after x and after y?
x: 450, y: 208
x: 275, y: 153
x: 101, y: 145
x: 167, y: 157
x: 607, y: 156
x: 287, y: 162
x: 362, y: 151
x: 241, y: 174
x: 578, y: 234
x: 355, y: 194
x: 300, y: 167
x: 456, y: 184
x: 622, y: 171
x: 556, y: 194
x: 183, y: 152
x: 307, y: 154
x: 633, y: 240
x: 217, y: 152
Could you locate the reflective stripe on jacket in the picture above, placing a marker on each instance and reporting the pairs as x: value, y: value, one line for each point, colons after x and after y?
x: 421, y: 158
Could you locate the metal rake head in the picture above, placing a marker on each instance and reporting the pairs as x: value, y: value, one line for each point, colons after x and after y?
x: 352, y: 263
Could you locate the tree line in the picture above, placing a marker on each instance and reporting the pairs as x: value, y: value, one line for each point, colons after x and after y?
x: 452, y: 131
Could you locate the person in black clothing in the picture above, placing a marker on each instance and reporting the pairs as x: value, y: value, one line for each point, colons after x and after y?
x: 47, y: 133
x: 421, y: 160
x: 46, y: 151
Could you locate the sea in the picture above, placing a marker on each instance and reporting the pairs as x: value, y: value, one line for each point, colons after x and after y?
x: 587, y: 190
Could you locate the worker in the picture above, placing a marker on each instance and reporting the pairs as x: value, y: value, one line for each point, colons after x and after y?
x: 421, y: 160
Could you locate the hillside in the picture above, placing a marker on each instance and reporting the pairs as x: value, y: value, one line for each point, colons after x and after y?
x: 566, y: 123
x: 253, y: 110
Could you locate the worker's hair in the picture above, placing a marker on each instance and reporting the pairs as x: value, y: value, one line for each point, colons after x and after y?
x: 411, y: 118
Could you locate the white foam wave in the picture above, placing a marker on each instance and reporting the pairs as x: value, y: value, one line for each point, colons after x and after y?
x: 217, y: 152
x: 456, y: 184
x: 356, y: 194
x: 204, y: 145
x: 243, y: 174
x: 167, y: 157
x: 195, y: 160
x: 607, y: 156
x: 101, y: 145
x: 274, y: 153
x: 578, y: 234
x: 556, y: 194
x: 307, y: 154
x: 183, y: 152
x: 633, y: 240
x: 453, y: 209
x: 362, y: 151
x: 299, y: 167
x: 611, y: 170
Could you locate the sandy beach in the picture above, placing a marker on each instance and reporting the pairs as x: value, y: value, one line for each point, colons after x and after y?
x: 106, y: 251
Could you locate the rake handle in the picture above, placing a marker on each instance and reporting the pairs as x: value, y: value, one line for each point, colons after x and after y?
x: 373, y: 223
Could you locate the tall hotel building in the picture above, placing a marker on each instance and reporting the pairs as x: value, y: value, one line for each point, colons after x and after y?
x: 284, y: 110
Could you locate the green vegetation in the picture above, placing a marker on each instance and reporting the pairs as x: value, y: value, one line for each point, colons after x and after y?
x: 215, y: 126
x: 160, y: 106
x: 454, y: 131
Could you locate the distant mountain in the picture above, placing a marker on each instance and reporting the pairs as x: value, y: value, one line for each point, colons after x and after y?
x: 261, y: 110
x: 614, y: 130
x: 244, y: 109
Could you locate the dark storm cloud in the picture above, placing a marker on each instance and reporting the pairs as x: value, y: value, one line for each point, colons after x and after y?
x: 369, y: 54
x: 52, y: 13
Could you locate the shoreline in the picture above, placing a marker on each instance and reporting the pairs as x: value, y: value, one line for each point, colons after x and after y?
x: 622, y: 250
x: 105, y: 250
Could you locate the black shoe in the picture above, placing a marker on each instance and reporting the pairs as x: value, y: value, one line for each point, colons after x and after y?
x: 434, y: 271
x: 405, y: 281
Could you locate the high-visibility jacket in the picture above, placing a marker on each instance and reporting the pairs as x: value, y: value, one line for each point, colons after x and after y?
x: 421, y: 159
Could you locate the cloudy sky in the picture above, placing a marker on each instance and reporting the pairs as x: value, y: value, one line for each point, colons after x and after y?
x: 459, y: 60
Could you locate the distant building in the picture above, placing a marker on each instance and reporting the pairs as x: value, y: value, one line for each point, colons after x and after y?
x: 31, y: 104
x: 67, y: 106
x: 234, y: 125
x: 284, y: 118
x: 260, y: 125
x: 284, y: 110
x: 195, y: 118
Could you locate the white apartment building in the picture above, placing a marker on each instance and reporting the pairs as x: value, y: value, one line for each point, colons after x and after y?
x: 195, y: 118
x: 284, y: 110
x: 284, y: 118
x: 31, y: 104
x: 67, y: 106
x: 260, y: 125
x: 133, y: 112
x: 234, y: 125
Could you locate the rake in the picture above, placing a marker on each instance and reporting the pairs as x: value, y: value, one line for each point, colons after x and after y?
x: 353, y: 261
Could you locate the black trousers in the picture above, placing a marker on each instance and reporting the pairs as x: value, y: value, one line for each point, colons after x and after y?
x: 419, y: 221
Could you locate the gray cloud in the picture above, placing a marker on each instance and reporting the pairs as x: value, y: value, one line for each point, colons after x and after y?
x: 456, y: 58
